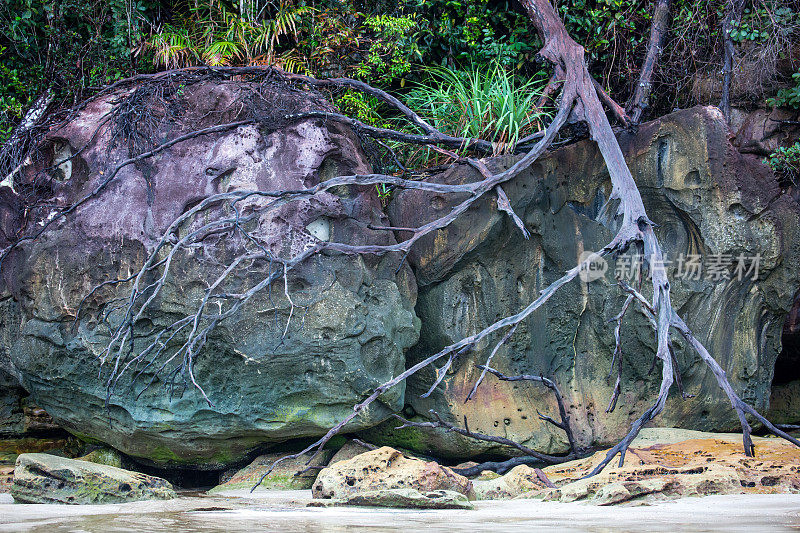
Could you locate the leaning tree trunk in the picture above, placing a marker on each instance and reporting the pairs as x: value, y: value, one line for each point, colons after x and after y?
x: 732, y: 19
x: 637, y: 229
x: 658, y: 29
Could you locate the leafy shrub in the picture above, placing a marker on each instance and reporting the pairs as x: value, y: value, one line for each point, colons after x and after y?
x: 458, y: 33
x: 758, y: 25
x: 393, y: 48
x: 789, y: 96
x: 363, y: 107
x: 785, y: 161
x: 68, y: 46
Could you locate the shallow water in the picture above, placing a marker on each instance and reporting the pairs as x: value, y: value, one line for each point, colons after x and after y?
x: 285, y: 511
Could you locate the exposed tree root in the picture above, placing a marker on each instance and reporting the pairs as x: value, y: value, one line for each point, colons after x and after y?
x: 562, y: 409
x: 531, y: 456
x: 617, y: 357
x: 501, y: 467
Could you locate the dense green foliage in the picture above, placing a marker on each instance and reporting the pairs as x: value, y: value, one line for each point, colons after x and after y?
x: 74, y: 46
x: 71, y: 46
x: 788, y: 96
x: 785, y: 161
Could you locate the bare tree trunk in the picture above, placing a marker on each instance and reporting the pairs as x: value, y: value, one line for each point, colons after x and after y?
x: 560, y: 49
x: 732, y: 18
x: 11, y: 158
x: 658, y: 29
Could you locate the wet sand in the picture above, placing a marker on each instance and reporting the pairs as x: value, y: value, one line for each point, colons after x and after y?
x: 285, y: 511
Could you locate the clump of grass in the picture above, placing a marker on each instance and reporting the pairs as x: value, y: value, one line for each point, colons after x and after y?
x: 482, y: 102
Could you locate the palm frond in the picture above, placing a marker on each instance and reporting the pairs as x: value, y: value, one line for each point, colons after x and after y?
x: 222, y: 52
x: 172, y: 49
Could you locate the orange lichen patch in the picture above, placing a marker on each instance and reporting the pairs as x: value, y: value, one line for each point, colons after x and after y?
x: 691, y: 467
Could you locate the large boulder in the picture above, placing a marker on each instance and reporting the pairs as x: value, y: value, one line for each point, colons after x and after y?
x: 385, y: 469
x: 518, y: 481
x: 43, y: 478
x: 265, y: 381
x: 707, y: 199
x: 290, y: 474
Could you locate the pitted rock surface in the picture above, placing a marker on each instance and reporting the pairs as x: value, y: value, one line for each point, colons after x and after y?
x: 354, y: 319
x: 44, y: 478
x: 383, y: 469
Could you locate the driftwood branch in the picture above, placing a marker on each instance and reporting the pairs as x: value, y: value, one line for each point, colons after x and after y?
x: 439, y: 423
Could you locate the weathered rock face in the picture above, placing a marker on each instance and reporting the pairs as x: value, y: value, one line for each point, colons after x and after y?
x: 383, y: 469
x: 11, y: 449
x: 706, y: 198
x: 354, y: 318
x: 43, y: 478
x: 12, y: 416
x: 19, y: 417
x: 784, y: 403
x: 764, y: 130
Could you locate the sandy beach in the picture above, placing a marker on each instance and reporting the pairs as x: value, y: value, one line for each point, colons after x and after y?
x: 286, y: 511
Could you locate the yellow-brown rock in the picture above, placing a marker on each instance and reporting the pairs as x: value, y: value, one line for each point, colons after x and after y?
x: 518, y: 481
x: 694, y: 467
x: 350, y: 449
x: 387, y: 468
